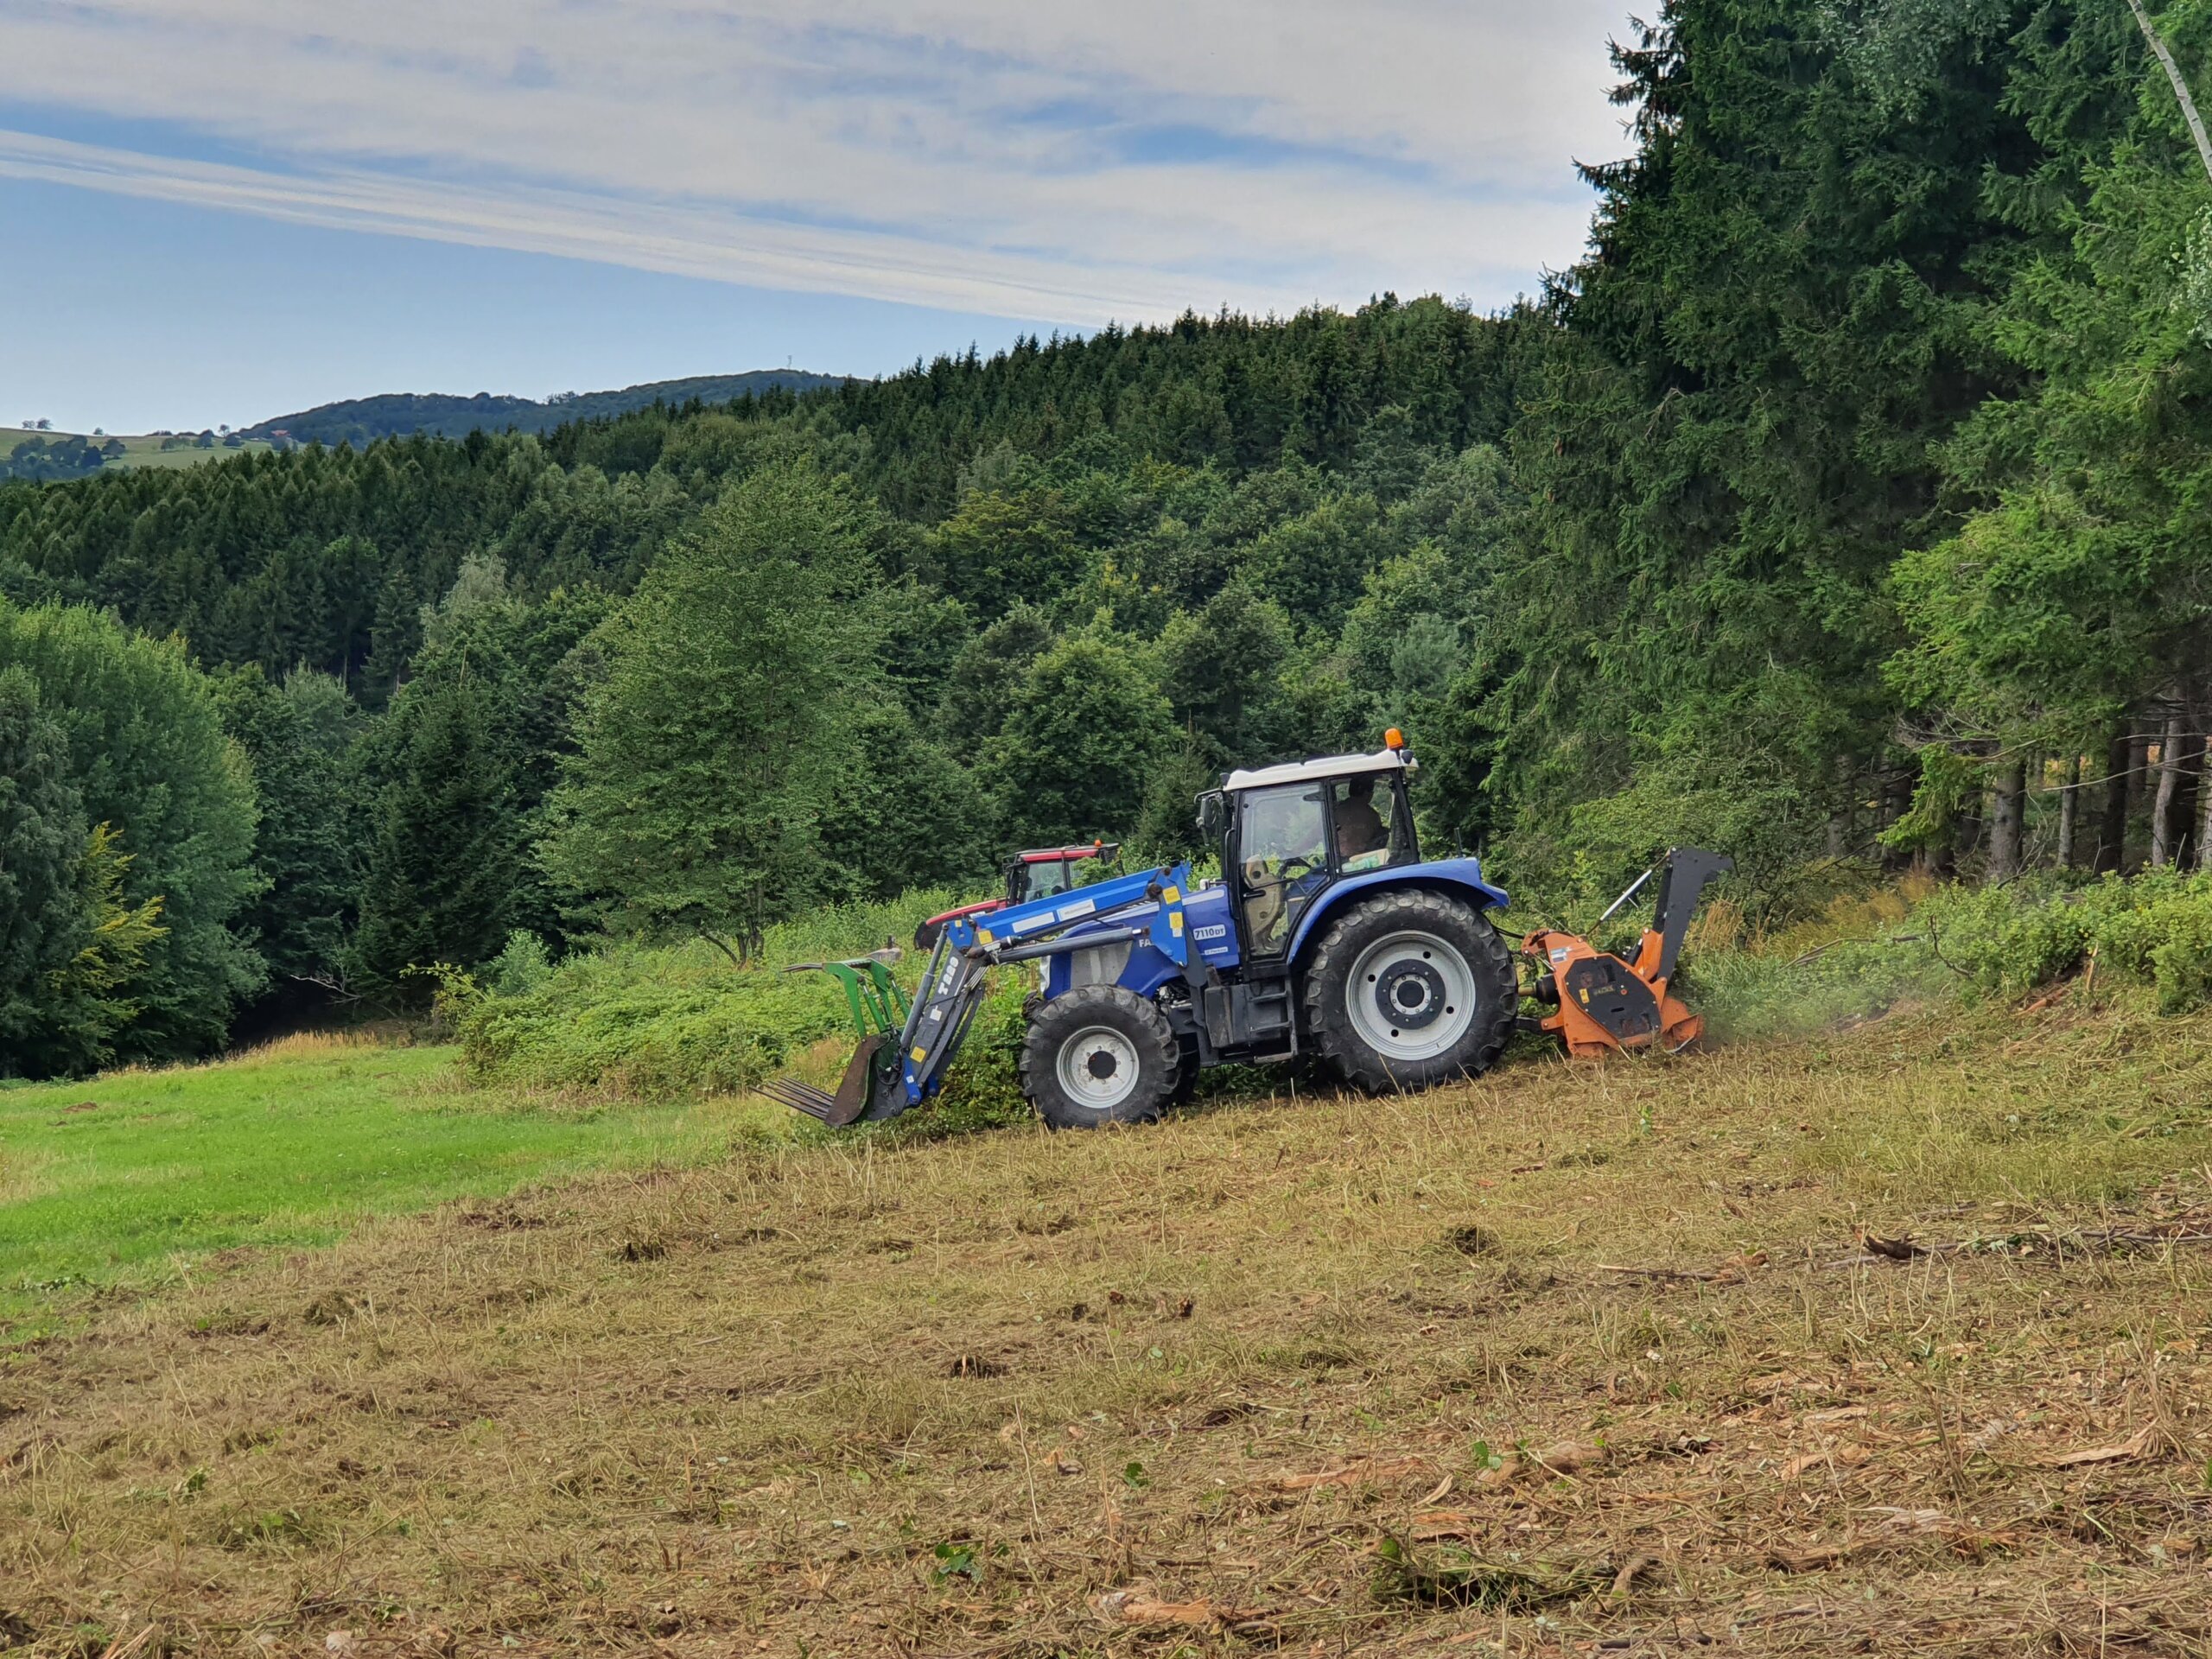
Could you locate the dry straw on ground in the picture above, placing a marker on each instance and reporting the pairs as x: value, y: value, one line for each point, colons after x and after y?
x: 1888, y: 1343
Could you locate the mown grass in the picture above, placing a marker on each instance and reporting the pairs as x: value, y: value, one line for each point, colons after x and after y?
x: 130, y: 1180
x: 1885, y: 1336
x: 1268, y: 1375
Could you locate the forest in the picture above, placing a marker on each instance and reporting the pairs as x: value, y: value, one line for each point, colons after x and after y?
x: 1845, y: 506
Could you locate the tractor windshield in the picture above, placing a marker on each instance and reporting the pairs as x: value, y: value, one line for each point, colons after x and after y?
x: 1049, y: 878
x: 1282, y: 849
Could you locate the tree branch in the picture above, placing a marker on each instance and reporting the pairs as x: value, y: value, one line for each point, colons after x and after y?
x: 2181, y: 87
x: 715, y: 939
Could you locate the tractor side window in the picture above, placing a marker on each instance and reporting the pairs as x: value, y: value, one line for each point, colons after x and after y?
x: 1362, y: 810
x: 1283, y: 848
x: 1046, y: 880
x: 1373, y: 829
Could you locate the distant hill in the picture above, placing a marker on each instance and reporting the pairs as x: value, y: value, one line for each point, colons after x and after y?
x: 396, y: 415
x: 49, y: 457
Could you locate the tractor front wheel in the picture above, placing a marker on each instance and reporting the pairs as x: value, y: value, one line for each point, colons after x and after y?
x: 1410, y: 989
x: 1098, y: 1055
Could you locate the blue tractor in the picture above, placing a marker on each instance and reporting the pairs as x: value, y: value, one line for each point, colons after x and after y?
x: 1328, y: 934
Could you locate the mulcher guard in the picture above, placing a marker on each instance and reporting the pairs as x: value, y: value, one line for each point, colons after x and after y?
x: 871, y: 1087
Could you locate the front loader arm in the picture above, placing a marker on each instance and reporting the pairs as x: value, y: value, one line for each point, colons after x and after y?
x: 951, y: 992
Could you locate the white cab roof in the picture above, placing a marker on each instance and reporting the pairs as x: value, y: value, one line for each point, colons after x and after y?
x: 1331, y: 766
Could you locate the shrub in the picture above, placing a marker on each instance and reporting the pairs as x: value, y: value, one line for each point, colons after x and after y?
x: 2152, y: 931
x: 522, y: 966
x: 658, y: 1021
x: 983, y: 1088
x: 2182, y: 967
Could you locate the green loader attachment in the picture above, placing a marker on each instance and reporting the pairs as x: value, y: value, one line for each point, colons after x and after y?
x: 871, y: 1086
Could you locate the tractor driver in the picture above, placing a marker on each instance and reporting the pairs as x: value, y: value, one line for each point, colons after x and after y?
x: 1360, y: 828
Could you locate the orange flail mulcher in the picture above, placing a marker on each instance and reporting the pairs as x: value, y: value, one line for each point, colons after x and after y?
x: 1601, y: 1002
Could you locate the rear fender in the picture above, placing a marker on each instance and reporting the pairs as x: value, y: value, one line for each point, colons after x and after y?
x: 1462, y: 878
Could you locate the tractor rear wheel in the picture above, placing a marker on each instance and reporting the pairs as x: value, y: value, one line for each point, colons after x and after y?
x: 1098, y: 1055
x: 1410, y: 989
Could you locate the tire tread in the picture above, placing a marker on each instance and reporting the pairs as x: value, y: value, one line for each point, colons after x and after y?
x: 1322, y: 1000
x: 1090, y: 1005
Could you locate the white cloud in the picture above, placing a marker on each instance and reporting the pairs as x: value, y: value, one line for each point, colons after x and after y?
x: 1049, y: 161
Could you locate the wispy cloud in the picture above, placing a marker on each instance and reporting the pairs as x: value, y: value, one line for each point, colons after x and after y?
x: 649, y: 237
x: 1054, y: 161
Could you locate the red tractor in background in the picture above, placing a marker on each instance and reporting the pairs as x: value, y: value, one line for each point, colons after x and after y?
x: 1038, y: 873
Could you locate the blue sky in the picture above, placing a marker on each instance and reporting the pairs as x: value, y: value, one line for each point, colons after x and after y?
x: 235, y: 208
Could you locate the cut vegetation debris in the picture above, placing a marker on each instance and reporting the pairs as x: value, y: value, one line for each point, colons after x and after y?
x: 1238, y: 1381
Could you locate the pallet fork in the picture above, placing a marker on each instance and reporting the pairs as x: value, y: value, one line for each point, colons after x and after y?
x: 879, y: 1008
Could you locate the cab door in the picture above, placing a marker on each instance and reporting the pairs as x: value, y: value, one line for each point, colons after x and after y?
x: 1281, y: 863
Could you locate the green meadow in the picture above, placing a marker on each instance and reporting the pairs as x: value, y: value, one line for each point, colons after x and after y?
x: 125, y: 1182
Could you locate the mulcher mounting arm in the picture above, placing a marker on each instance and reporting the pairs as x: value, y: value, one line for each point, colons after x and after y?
x: 884, y: 1080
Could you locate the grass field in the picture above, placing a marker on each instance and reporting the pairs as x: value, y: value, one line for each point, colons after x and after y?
x: 128, y: 1181
x: 148, y: 452
x: 1892, y: 1341
x: 139, y: 451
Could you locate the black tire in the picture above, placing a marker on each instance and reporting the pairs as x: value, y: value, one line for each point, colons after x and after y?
x: 1417, y: 956
x: 1187, y: 1072
x: 1119, y: 1042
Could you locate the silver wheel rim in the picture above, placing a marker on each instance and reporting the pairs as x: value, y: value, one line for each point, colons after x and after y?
x: 1411, y: 997
x: 1097, y: 1068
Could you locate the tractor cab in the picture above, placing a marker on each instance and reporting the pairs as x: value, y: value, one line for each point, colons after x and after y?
x: 1038, y: 873
x: 1044, y: 871
x: 1289, y: 833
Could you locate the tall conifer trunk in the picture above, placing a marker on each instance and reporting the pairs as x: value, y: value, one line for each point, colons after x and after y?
x: 1840, y: 811
x: 2008, y: 810
x: 2142, y: 784
x: 2204, y: 816
x: 2188, y: 797
x: 2165, y: 814
x: 2112, y: 830
x: 1896, y: 802
x: 2069, y: 812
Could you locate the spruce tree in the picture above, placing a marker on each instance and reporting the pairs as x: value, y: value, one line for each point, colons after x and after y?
x: 441, y: 864
x: 709, y: 749
x: 298, y: 738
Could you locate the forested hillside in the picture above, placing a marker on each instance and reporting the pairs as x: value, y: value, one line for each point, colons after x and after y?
x: 360, y: 420
x: 1843, y: 505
